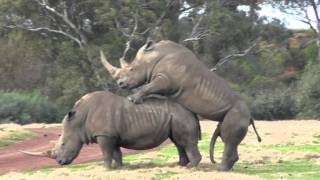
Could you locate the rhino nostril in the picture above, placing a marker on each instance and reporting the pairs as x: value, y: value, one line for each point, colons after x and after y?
x: 120, y: 83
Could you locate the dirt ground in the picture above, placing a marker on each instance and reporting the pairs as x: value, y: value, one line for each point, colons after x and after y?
x: 13, y: 160
x: 272, y: 133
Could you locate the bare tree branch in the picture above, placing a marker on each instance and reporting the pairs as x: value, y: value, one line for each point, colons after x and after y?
x: 315, y: 9
x: 187, y: 8
x: 159, y: 21
x: 65, y: 18
x: 308, y: 21
x: 229, y: 57
x: 36, y: 29
x: 197, y: 34
x: 130, y: 38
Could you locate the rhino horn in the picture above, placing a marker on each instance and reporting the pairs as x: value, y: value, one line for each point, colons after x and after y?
x: 48, y: 154
x: 111, y: 69
x: 123, y: 63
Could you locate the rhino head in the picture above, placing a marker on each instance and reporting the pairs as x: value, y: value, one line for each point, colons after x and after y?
x: 136, y: 73
x: 70, y: 142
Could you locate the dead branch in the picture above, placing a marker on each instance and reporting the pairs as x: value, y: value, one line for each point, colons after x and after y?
x: 315, y: 9
x: 229, y: 57
x: 197, y: 32
x: 159, y: 21
x: 37, y: 29
x: 131, y: 37
x: 65, y: 18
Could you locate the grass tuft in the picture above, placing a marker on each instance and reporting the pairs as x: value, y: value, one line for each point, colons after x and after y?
x: 15, y: 137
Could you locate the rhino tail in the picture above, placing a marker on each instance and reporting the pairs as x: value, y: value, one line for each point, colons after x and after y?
x: 199, y: 127
x: 214, y: 137
x: 255, y: 130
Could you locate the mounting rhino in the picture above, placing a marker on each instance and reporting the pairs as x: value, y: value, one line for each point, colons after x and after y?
x: 169, y: 69
x: 113, y: 122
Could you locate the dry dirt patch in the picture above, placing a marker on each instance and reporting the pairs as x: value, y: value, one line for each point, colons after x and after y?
x: 277, y: 132
x: 8, y: 129
x: 251, y: 153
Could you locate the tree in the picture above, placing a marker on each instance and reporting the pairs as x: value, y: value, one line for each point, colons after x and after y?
x: 301, y: 10
x: 70, y: 19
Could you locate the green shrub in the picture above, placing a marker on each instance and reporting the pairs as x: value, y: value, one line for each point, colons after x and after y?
x: 308, y: 93
x: 273, y: 105
x: 24, y: 108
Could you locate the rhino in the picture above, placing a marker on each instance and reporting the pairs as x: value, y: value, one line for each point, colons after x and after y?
x: 113, y: 122
x: 171, y: 70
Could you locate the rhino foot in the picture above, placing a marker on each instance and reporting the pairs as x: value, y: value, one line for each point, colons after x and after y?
x: 135, y: 98
x: 222, y: 167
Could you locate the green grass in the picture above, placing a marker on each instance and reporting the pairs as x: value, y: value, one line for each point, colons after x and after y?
x: 305, y: 168
x: 165, y: 175
x: 72, y: 167
x: 15, y: 137
x: 286, y: 148
x: 296, y: 169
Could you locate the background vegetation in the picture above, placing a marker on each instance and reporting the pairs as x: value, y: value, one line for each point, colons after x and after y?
x: 43, y: 71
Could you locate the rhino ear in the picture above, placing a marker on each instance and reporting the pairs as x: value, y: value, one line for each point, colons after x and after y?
x: 149, y: 45
x: 71, y: 114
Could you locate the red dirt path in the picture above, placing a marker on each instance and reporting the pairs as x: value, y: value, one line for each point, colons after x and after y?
x: 13, y: 160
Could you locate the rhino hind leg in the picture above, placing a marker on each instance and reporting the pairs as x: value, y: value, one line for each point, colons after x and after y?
x: 186, y: 142
x: 232, y: 131
x: 194, y: 155
x: 183, y: 158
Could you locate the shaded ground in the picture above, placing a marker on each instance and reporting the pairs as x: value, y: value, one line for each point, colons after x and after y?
x: 289, y: 150
x: 13, y: 160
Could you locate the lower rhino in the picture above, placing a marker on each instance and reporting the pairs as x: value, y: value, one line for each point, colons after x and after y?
x: 113, y: 122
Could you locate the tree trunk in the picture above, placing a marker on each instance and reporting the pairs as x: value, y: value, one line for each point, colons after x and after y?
x: 89, y: 59
x: 318, y: 46
x: 318, y: 40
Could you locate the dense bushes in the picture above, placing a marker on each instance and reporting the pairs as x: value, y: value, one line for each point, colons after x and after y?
x: 274, y: 105
x: 308, y: 93
x: 25, y: 108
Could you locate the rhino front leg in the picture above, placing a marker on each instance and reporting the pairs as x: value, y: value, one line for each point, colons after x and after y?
x: 108, y: 147
x: 117, y: 156
x: 159, y: 84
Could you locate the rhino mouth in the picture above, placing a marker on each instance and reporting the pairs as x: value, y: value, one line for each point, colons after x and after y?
x: 124, y: 86
x: 64, y: 161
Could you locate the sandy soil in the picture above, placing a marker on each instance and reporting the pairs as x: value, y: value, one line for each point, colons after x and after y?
x: 7, y: 129
x: 277, y: 132
x: 13, y: 160
x: 272, y: 133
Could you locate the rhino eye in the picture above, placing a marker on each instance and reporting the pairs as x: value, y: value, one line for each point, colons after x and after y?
x: 71, y: 114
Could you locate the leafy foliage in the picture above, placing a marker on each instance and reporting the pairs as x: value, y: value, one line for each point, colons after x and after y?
x: 25, y: 108
x: 63, y: 69
x: 308, y: 93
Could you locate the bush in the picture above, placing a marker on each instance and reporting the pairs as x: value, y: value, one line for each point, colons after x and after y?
x: 24, y: 108
x: 273, y: 105
x: 308, y: 93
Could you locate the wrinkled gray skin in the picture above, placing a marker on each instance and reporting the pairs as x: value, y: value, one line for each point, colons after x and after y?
x: 113, y: 122
x: 170, y: 69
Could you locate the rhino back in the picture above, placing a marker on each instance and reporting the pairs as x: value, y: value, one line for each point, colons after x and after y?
x: 195, y: 86
x: 140, y: 126
x: 144, y: 125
